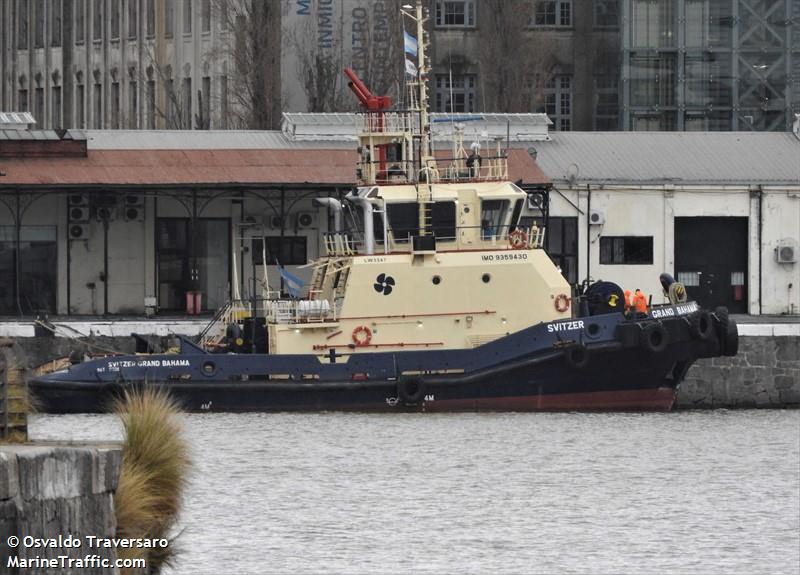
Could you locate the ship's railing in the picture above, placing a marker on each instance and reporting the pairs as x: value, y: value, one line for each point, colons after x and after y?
x: 339, y: 244
x: 440, y: 170
x: 385, y: 122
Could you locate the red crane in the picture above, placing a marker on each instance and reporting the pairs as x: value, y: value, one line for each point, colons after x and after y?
x: 375, y: 107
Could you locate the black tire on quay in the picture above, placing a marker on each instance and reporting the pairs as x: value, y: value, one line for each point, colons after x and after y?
x: 655, y: 338
x: 701, y: 326
x: 577, y: 356
x: 723, y: 319
x: 411, y: 390
x: 730, y: 341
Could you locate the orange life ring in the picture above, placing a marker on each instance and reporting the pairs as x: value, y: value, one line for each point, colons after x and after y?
x: 562, y: 302
x: 362, y: 335
x: 518, y: 239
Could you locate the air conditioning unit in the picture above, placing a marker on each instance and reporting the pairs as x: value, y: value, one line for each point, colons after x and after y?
x: 786, y: 253
x: 306, y: 220
x: 106, y: 213
x: 78, y: 231
x: 133, y: 208
x: 535, y: 201
x: 597, y: 218
x: 79, y: 214
x: 75, y: 200
x: 275, y: 222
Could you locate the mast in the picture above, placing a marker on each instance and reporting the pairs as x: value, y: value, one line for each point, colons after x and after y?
x: 422, y: 75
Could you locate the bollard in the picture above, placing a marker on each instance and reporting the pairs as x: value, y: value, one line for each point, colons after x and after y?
x: 14, y: 403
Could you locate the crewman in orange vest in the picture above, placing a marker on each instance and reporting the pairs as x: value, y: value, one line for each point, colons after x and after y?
x: 639, y: 301
x: 628, y: 304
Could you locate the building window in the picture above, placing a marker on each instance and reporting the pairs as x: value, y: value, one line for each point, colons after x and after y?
x: 55, y: 23
x: 38, y: 104
x: 55, y: 107
x: 206, y: 15
x: 151, y: 104
x: 187, y: 16
x: 630, y: 250
x: 223, y: 97
x: 553, y: 13
x: 80, y: 102
x: 133, y: 105
x: 151, y: 18
x: 22, y: 25
x: 97, y: 20
x: 115, y: 106
x: 133, y: 18
x: 38, y: 23
x: 80, y: 21
x: 606, y: 14
x: 653, y: 23
x: 562, y: 246
x: 169, y: 18
x: 455, y: 13
x: 169, y: 90
x: 37, y: 268
x: 22, y: 100
x: 206, y: 103
x: 97, y: 119
x: 287, y: 250
x: 187, y: 104
x: 456, y: 97
x: 558, y: 101
x: 115, y: 19
x: 606, y: 110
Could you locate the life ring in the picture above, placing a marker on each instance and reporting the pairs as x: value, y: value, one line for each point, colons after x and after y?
x: 655, y: 338
x: 362, y: 335
x: 411, y: 390
x: 562, y: 302
x: 518, y: 239
x: 577, y: 356
x: 701, y: 326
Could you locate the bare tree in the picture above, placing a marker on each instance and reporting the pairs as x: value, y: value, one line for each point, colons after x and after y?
x: 513, y: 58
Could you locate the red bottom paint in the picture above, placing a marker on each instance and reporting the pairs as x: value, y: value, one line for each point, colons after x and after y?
x: 660, y: 399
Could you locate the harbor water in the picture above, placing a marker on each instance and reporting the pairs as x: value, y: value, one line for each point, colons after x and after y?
x: 685, y: 492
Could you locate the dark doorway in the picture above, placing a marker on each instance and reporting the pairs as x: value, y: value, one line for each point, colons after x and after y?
x: 198, y: 261
x: 711, y: 260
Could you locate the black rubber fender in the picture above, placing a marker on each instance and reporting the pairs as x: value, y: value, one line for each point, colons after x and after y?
x: 577, y: 356
x: 701, y: 326
x: 654, y: 338
x: 727, y: 331
x: 411, y: 390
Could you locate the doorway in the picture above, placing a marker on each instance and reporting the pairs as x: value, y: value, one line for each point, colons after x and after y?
x: 711, y: 260
x: 193, y: 261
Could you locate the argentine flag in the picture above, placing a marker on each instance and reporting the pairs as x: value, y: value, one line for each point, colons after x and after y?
x: 292, y: 283
x: 409, y: 43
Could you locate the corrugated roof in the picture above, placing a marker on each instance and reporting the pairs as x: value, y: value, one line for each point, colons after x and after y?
x: 671, y: 157
x: 203, y: 140
x: 165, y: 167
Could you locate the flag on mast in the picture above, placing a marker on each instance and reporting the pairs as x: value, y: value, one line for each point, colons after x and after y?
x: 409, y: 43
x: 411, y: 69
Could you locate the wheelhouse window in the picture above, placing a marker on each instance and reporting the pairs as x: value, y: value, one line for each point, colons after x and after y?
x: 493, y: 213
x: 455, y: 96
x: 287, y: 250
x: 557, y: 13
x: 455, y: 13
x: 628, y: 250
x: 403, y: 219
x: 37, y: 270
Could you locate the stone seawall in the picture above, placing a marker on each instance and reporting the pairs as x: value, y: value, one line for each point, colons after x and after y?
x: 765, y: 373
x: 47, y: 491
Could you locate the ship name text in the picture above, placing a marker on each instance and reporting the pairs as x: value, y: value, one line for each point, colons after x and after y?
x: 564, y: 326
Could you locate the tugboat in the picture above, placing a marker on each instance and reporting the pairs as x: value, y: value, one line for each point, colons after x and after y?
x: 434, y: 298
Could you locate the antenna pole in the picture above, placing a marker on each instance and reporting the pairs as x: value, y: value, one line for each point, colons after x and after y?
x: 422, y: 75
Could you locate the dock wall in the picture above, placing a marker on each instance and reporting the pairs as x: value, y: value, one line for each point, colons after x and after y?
x: 52, y: 491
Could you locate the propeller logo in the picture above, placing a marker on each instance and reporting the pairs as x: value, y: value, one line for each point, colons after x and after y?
x: 383, y: 284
